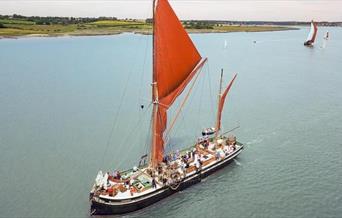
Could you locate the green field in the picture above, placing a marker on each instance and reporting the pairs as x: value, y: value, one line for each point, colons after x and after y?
x: 21, y: 27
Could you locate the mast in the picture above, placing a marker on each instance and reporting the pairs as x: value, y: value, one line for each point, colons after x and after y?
x: 154, y: 122
x: 218, y: 106
x: 222, y: 97
x: 175, y: 62
x: 154, y: 91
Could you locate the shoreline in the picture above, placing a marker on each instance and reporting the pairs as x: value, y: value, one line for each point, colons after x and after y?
x: 148, y: 32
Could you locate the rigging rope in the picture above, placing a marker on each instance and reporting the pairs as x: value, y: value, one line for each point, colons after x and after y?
x: 199, y: 120
x: 210, y: 93
x: 134, y: 129
x: 114, y: 125
x: 182, y: 104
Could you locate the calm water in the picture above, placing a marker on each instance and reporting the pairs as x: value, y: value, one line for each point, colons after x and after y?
x: 60, y: 98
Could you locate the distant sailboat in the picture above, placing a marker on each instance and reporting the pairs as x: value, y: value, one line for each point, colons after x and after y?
x: 312, y: 35
x: 176, y: 62
x: 225, y: 44
x: 325, y: 40
x: 326, y: 37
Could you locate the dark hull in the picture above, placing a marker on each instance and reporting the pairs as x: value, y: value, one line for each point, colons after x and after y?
x: 308, y: 43
x: 106, y: 207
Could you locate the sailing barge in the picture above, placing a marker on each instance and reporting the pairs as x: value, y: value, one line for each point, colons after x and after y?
x: 176, y: 62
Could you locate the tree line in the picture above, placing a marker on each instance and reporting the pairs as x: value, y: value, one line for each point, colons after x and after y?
x: 54, y: 20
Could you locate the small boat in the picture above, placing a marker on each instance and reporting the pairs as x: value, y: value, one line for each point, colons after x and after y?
x: 325, y: 40
x: 225, y: 45
x: 209, y: 131
x: 176, y: 62
x: 326, y: 37
x: 312, y: 34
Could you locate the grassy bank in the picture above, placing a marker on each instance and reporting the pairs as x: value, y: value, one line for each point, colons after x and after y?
x: 13, y: 27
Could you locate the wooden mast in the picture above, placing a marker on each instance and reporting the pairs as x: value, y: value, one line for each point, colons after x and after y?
x: 175, y: 62
x: 154, y: 91
x: 218, y: 107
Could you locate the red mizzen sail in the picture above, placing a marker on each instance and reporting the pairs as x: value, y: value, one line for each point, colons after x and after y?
x: 175, y: 62
x: 221, y: 104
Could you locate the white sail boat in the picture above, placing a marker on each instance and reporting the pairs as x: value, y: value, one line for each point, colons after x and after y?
x: 325, y: 40
x: 312, y: 34
x: 326, y: 37
x: 176, y: 62
x: 225, y: 44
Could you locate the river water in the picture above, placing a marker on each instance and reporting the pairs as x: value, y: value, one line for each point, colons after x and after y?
x: 70, y: 106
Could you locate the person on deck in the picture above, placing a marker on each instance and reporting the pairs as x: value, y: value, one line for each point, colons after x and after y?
x: 164, y: 179
x: 131, y: 190
x: 217, y: 155
x: 165, y: 160
x: 177, y: 154
x: 198, y: 165
x: 154, y: 185
x: 126, y: 184
x: 131, y: 181
x: 117, y: 175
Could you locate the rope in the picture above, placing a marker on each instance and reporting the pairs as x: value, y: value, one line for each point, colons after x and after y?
x: 134, y: 129
x: 176, y: 183
x: 183, y: 103
x: 210, y: 93
x: 92, y: 212
x: 177, y: 186
x: 199, y: 120
x: 230, y: 131
x: 114, y: 126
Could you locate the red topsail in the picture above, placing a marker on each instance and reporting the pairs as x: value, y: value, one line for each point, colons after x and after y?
x: 175, y: 62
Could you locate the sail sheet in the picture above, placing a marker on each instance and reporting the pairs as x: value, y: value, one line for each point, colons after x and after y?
x: 221, y: 104
x: 175, y: 62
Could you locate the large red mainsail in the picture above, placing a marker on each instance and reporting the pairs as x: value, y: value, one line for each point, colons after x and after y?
x: 175, y: 62
x: 221, y: 104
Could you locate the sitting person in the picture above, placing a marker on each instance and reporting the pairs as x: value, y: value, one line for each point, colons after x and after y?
x: 132, y: 190
x: 126, y: 184
x: 211, y: 147
x: 117, y: 175
x: 217, y: 155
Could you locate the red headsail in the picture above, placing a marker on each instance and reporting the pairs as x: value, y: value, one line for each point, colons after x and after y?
x: 175, y: 62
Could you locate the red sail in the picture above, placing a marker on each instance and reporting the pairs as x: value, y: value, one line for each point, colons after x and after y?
x: 312, y: 34
x: 175, y: 62
x: 160, y: 121
x: 221, y: 104
x: 315, y: 32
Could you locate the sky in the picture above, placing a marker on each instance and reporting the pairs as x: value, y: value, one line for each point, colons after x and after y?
x: 262, y: 10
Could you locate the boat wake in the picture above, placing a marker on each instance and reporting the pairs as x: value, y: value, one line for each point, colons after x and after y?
x: 324, y: 44
x: 255, y: 141
x: 237, y: 162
